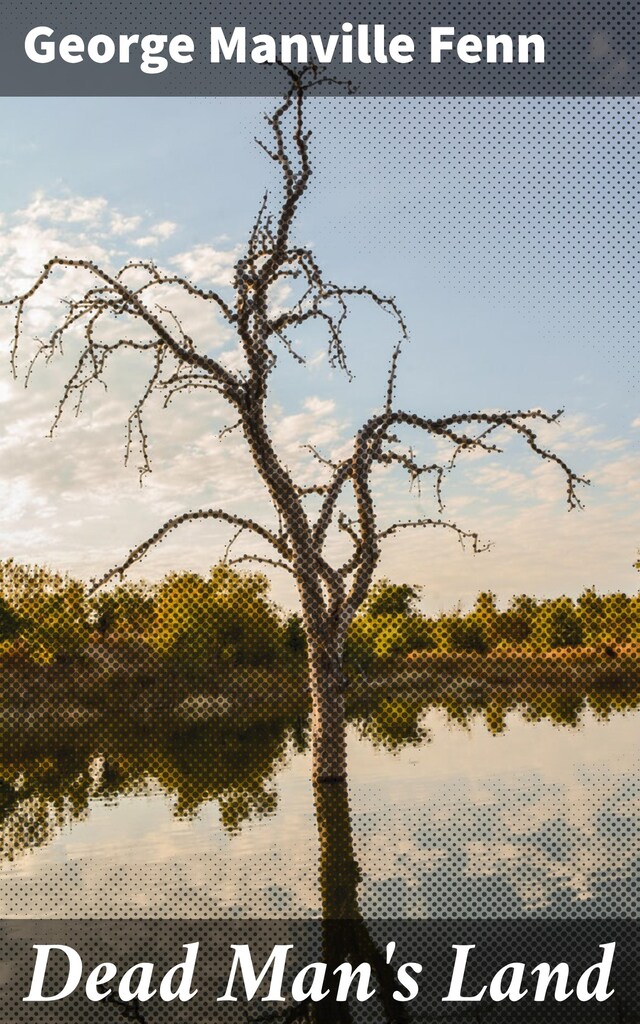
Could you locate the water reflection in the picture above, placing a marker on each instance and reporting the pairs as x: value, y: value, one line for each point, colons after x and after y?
x: 51, y: 776
x: 189, y: 811
x: 346, y: 935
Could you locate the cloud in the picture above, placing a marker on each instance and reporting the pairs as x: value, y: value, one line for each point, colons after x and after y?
x: 165, y: 229
x: 207, y: 265
x: 69, y: 210
x: 158, y: 233
x: 121, y: 225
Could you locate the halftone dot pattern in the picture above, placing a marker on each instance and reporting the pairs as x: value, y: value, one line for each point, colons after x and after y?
x: 208, y: 966
x: 200, y: 690
x: 133, y: 717
x: 526, y: 200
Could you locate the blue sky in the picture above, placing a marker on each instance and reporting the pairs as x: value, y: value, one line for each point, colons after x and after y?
x: 506, y: 229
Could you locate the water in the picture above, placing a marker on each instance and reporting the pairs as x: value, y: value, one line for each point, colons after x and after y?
x: 541, y: 819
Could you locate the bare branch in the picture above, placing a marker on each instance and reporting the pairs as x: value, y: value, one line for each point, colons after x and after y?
x: 127, y: 301
x: 278, y: 542
x: 418, y: 523
x: 263, y: 560
x: 342, y: 473
x: 264, y: 331
x: 456, y: 430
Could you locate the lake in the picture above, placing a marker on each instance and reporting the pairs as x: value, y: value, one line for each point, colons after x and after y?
x: 453, y: 820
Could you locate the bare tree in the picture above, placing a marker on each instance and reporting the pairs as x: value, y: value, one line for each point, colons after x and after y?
x: 330, y: 593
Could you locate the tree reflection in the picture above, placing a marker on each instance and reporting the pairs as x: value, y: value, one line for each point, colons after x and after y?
x: 346, y: 936
x: 51, y: 770
x: 51, y: 775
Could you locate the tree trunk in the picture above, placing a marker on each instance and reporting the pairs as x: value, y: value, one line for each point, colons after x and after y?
x: 328, y: 720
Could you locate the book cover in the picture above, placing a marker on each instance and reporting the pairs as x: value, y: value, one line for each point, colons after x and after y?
x: 319, y: 611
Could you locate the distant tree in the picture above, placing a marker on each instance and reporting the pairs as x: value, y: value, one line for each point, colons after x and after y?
x: 294, y: 635
x: 402, y: 635
x: 482, y: 622
x: 375, y: 641
x: 558, y: 624
x: 9, y: 621
x: 126, y: 612
x: 388, y: 627
x: 468, y: 635
x: 48, y: 611
x: 592, y: 615
x: 22, y: 583
x: 56, y: 626
x: 226, y: 619
x: 387, y: 598
x: 515, y: 625
x: 617, y: 614
x: 135, y: 304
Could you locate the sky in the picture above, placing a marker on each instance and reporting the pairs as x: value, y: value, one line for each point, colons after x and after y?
x: 506, y: 229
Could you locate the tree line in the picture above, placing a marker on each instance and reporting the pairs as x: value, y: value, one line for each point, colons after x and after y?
x: 228, y: 619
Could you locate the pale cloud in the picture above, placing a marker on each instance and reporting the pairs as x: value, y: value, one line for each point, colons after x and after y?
x: 234, y: 359
x: 121, y: 225
x: 619, y: 477
x: 145, y: 241
x: 207, y: 265
x: 318, y: 426
x: 319, y: 406
x: 157, y: 233
x: 165, y: 229
x: 70, y: 210
x: 577, y: 432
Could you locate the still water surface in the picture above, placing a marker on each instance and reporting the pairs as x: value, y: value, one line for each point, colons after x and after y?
x: 542, y: 819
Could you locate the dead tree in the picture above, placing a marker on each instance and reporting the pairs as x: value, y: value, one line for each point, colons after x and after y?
x: 330, y: 594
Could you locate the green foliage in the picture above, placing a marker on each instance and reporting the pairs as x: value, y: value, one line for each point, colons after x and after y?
x: 56, y: 625
x: 620, y: 617
x: 387, y: 598
x: 9, y: 621
x: 379, y: 638
x: 201, y: 624
x: 223, y: 620
x: 469, y: 635
x: 400, y: 634
x: 383, y: 638
x: 558, y: 625
x: 51, y: 612
x: 125, y: 613
x: 295, y: 639
x: 21, y: 583
x: 592, y: 616
x: 515, y: 625
x: 479, y: 630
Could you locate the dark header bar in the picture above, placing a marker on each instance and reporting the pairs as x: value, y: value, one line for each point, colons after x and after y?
x: 229, y: 48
